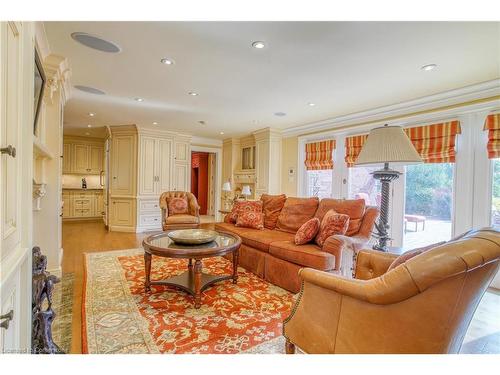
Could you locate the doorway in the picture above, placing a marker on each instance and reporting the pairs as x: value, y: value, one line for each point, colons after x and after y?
x: 203, y: 167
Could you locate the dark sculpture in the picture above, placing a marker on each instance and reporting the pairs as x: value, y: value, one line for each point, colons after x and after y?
x: 43, y: 285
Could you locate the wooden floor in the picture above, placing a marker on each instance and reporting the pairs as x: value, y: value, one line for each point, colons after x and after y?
x: 84, y: 237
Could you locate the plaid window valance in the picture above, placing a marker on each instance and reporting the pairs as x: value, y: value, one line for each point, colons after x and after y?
x: 353, y: 147
x: 492, y: 124
x: 319, y: 155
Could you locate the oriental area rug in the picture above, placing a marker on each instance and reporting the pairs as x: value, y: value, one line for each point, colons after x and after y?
x: 119, y: 317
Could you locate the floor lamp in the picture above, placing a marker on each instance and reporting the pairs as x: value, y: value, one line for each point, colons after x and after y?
x: 384, y: 145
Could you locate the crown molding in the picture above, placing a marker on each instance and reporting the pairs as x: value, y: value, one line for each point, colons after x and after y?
x: 203, y: 141
x: 435, y: 103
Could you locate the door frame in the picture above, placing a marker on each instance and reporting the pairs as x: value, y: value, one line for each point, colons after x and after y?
x: 218, y: 175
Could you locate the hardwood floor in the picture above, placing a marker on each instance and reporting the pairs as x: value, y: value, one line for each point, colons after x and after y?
x: 81, y: 237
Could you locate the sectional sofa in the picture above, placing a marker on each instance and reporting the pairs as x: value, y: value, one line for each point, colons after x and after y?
x: 271, y: 253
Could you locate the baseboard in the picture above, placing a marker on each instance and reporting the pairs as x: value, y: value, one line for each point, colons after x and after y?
x: 148, y: 229
x: 117, y: 228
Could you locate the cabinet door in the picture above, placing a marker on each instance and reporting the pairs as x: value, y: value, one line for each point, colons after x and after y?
x: 182, y: 152
x: 181, y: 175
x: 164, y: 164
x: 147, y: 174
x: 122, y: 211
x: 95, y: 159
x: 67, y: 158
x: 98, y: 204
x: 81, y: 158
x: 122, y: 165
x: 262, y: 167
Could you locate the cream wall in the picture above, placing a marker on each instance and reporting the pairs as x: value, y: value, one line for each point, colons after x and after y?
x: 289, y: 158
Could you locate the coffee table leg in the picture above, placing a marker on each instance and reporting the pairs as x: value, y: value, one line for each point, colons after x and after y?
x: 147, y: 264
x: 190, y: 264
x: 236, y: 256
x: 197, y: 283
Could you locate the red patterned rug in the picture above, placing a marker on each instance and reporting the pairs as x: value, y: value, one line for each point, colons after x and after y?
x: 119, y: 317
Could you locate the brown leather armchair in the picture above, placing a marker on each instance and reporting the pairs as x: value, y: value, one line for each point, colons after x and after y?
x: 189, y: 220
x: 424, y: 305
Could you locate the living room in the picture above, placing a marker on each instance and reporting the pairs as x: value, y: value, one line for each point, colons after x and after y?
x: 247, y: 186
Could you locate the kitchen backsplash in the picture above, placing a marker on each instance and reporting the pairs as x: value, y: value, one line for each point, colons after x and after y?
x: 72, y: 181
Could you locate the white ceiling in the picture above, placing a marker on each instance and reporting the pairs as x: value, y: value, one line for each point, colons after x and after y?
x: 342, y: 67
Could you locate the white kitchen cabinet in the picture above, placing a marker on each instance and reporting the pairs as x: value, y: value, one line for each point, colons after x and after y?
x: 123, y: 164
x: 67, y: 158
x: 181, y: 176
x: 82, y: 156
x: 82, y: 204
x: 122, y: 214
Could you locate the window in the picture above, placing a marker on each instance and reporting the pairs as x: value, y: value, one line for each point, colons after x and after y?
x: 428, y: 204
x: 495, y: 190
x: 363, y: 185
x: 319, y: 183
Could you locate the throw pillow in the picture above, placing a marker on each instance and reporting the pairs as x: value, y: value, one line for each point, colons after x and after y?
x: 250, y: 219
x: 271, y: 207
x: 412, y: 253
x: 177, y: 205
x: 332, y: 223
x: 244, y: 206
x: 307, y: 231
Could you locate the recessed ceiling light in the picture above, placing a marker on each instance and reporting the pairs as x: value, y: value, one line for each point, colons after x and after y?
x: 155, y: 123
x: 89, y: 126
x: 202, y: 122
x: 192, y: 93
x: 91, y: 114
x: 258, y: 44
x: 139, y: 99
x: 311, y: 104
x: 95, y: 42
x: 90, y: 90
x: 167, y: 61
x: 429, y: 67
x: 221, y: 133
x: 280, y: 114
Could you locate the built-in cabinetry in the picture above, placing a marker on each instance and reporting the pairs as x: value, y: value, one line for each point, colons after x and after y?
x: 82, y: 204
x: 82, y: 155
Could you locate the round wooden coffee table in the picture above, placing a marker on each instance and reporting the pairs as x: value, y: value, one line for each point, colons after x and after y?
x: 193, y: 281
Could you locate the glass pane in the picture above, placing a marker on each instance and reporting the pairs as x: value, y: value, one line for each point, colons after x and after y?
x: 362, y: 185
x: 495, y: 199
x: 319, y: 183
x: 428, y: 204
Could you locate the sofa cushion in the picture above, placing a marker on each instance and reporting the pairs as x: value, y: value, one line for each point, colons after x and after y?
x: 182, y: 219
x: 309, y: 255
x: 354, y: 208
x: 307, y: 231
x: 244, y: 206
x: 249, y: 219
x: 177, y: 205
x: 261, y: 239
x: 231, y: 228
x: 271, y: 207
x: 296, y: 212
x: 332, y: 223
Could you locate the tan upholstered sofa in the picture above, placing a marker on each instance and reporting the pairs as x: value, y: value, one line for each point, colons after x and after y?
x: 423, y: 305
x: 272, y: 254
x: 189, y: 220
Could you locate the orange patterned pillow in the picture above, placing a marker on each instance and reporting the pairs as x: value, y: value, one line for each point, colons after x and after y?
x: 244, y: 206
x: 250, y: 219
x: 332, y: 223
x: 177, y: 205
x: 307, y: 231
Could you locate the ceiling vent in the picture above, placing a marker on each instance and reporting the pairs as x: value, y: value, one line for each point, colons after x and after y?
x: 95, y: 42
x: 90, y: 90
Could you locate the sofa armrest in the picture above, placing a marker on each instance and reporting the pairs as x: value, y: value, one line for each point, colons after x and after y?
x: 338, y: 244
x: 372, y: 263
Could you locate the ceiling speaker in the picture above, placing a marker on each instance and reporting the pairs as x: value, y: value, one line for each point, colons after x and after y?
x: 95, y: 42
x: 90, y: 90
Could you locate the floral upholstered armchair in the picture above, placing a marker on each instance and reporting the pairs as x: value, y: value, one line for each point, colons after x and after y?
x: 179, y: 209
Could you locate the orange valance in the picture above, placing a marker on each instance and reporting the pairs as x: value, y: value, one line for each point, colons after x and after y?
x: 435, y: 143
x: 353, y: 147
x: 319, y: 155
x: 492, y: 124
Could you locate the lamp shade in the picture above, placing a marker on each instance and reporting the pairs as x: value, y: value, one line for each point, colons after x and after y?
x: 246, y: 190
x: 226, y: 186
x: 388, y: 144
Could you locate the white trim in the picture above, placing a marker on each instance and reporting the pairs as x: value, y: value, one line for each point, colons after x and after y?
x: 202, y: 141
x: 479, y: 91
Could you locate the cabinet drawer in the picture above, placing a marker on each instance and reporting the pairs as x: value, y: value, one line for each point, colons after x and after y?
x: 150, y: 220
x: 83, y: 194
x: 82, y: 203
x: 83, y: 212
x: 149, y: 205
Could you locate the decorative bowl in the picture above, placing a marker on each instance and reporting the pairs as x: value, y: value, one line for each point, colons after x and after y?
x: 192, y: 236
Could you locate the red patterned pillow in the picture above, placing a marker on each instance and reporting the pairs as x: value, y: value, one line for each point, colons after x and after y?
x: 307, y: 231
x: 244, y: 206
x: 177, y: 205
x: 250, y: 219
x: 332, y: 223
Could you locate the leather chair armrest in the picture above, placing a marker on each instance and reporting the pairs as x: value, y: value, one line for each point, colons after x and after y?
x: 163, y: 207
x: 337, y: 243
x: 372, y: 263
